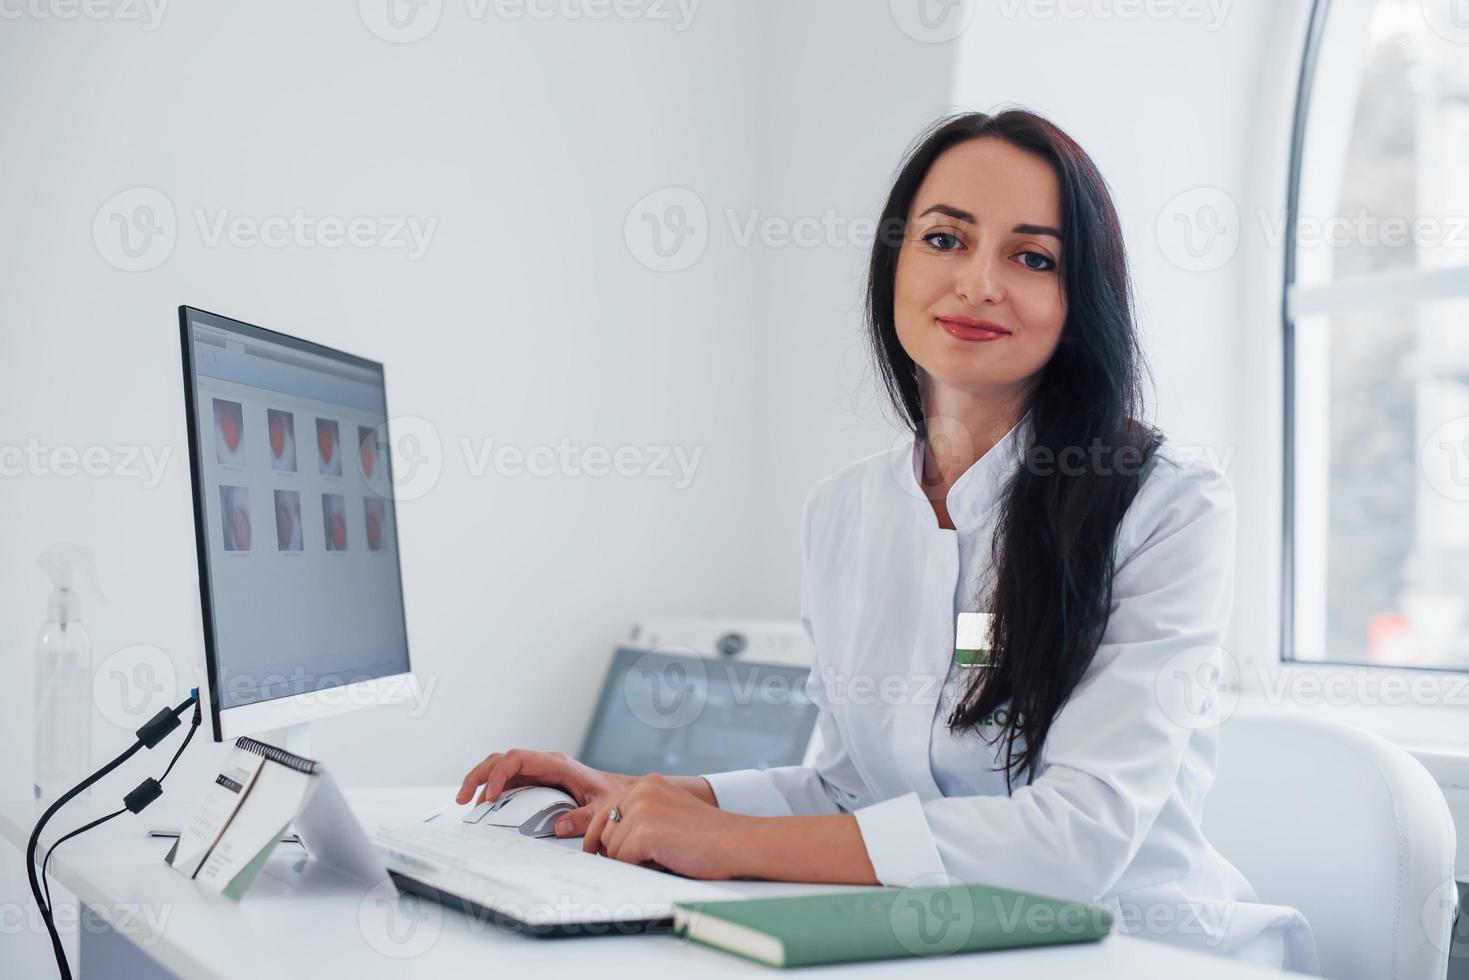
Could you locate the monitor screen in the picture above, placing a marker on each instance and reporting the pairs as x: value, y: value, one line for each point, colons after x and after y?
x: 683, y: 715
x: 293, y: 502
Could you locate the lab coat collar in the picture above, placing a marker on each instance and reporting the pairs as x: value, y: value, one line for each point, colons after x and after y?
x: 979, y: 488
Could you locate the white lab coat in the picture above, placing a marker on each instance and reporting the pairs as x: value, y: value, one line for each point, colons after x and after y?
x: 1113, y: 816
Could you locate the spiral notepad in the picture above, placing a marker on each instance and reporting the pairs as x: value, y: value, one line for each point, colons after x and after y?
x: 274, y: 754
x: 259, y: 792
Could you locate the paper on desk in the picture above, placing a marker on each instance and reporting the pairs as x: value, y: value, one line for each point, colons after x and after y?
x: 213, y: 814
x: 251, y: 803
x: 263, y: 816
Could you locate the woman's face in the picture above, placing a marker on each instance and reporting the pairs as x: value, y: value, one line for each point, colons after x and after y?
x: 982, y: 250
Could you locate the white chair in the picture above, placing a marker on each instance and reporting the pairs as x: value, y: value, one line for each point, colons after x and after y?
x: 1346, y: 827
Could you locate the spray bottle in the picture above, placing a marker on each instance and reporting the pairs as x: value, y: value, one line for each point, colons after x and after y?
x: 63, y: 677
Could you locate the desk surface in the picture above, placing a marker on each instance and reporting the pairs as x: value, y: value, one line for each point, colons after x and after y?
x: 299, y: 919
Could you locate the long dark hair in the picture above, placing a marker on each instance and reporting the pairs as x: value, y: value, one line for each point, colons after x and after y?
x: 1054, y: 539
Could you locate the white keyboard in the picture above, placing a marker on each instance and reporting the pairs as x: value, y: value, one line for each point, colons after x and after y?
x: 539, y: 882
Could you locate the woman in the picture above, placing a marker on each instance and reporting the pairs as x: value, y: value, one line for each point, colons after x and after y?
x: 1070, y: 762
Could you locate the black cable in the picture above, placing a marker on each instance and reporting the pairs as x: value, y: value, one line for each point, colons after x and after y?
x: 66, y: 798
x: 46, y: 861
x: 148, y: 736
x: 193, y: 727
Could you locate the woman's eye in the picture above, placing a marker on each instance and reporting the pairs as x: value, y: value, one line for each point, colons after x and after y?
x: 1045, y: 263
x: 942, y: 240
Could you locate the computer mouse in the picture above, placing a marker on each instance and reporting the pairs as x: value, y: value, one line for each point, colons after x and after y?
x: 532, y: 810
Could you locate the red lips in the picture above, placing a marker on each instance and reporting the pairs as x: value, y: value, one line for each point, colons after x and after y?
x: 339, y: 532
x: 971, y: 328
x: 369, y: 457
x: 970, y: 321
x: 374, y: 532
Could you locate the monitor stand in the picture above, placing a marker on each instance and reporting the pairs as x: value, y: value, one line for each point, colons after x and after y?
x: 295, y: 739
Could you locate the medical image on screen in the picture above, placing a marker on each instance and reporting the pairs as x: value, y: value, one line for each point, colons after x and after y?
x: 371, y: 452
x: 234, y: 508
x: 334, y: 521
x: 329, y: 447
x: 375, y: 515
x: 281, y: 426
x: 229, y: 433
x: 287, y: 520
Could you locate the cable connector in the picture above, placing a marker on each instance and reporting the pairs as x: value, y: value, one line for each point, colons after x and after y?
x: 148, y: 790
x: 157, y: 728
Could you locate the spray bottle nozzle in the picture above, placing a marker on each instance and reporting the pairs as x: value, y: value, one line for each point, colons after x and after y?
x: 62, y: 561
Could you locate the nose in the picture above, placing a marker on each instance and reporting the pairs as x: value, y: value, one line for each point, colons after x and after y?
x: 978, y: 281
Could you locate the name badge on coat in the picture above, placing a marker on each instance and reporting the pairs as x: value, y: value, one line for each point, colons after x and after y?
x: 973, y: 639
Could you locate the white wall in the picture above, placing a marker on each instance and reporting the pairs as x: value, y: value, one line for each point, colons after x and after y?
x: 527, y: 320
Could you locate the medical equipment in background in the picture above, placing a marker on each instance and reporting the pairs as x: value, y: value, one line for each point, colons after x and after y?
x: 690, y: 695
x: 773, y: 641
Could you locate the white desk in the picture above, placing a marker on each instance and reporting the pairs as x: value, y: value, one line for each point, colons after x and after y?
x: 299, y: 920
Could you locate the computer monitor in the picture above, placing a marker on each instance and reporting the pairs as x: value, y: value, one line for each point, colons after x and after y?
x: 681, y: 714
x: 299, y: 578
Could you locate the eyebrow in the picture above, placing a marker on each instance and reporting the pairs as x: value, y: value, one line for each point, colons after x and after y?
x: 961, y: 215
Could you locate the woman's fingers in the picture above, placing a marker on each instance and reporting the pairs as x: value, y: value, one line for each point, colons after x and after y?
x: 512, y: 783
x: 592, y: 839
x: 615, y: 837
x: 575, y: 823
x: 476, y: 777
x: 615, y: 833
x: 507, y: 770
x: 518, y: 767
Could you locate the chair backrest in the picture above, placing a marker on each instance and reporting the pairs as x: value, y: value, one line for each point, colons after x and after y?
x: 1349, y: 829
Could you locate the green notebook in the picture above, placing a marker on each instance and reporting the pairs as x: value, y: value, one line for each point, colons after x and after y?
x: 889, y: 923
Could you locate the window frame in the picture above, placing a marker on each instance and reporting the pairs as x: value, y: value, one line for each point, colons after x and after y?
x: 1395, y: 288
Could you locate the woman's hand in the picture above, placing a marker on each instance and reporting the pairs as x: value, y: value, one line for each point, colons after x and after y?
x: 663, y: 824
x: 524, y: 767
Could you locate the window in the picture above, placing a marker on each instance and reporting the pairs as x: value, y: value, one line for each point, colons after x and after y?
x: 1377, y: 339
